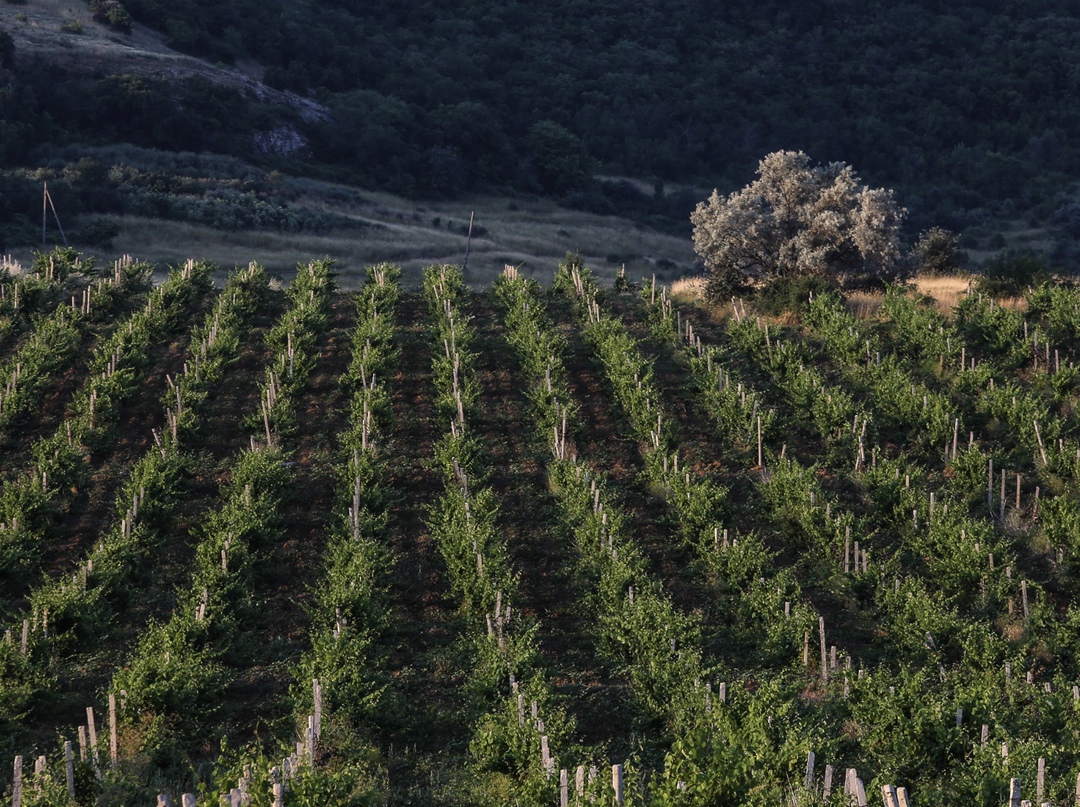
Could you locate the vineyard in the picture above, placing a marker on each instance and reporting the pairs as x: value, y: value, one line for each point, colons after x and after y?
x: 531, y: 546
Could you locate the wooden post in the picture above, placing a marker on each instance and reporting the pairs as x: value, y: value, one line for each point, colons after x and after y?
x: 617, y: 782
x: 113, y: 757
x: 564, y: 788
x: 824, y: 666
x: 1040, y: 780
x: 69, y: 769
x: 93, y: 738
x: 760, y: 459
x: 901, y: 797
x: 16, y: 787
x: 808, y: 784
x: 827, y: 786
x: 990, y: 484
x: 1014, y: 792
x: 847, y: 550
x: 1042, y: 451
x: 188, y: 800
x: 317, y: 698
x: 163, y: 800
x: 888, y: 795
x: 277, y: 788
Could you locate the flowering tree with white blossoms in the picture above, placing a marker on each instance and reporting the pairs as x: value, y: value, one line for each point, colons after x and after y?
x: 797, y: 220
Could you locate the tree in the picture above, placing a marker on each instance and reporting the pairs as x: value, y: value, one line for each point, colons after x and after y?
x: 797, y: 220
x: 559, y: 158
x: 938, y: 252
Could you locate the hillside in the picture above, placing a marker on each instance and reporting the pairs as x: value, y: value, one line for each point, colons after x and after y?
x: 967, y: 111
x: 513, y: 532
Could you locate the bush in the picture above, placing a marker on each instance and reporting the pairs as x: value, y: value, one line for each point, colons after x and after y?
x: 790, y: 294
x: 112, y: 13
x: 1009, y: 273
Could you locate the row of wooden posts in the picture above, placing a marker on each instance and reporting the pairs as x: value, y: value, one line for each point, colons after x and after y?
x: 290, y: 766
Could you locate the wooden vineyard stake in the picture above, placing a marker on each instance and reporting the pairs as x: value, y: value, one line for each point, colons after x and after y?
x: 1038, y: 436
x: 1014, y: 792
x: 69, y: 770
x: 808, y: 784
x: 853, y: 788
x: 93, y: 739
x: 847, y: 550
x: 163, y: 800
x: 824, y: 667
x: 827, y: 785
x: 1040, y: 780
x: 112, y: 730
x: 188, y: 800
x: 760, y: 459
x: 617, y: 782
x: 16, y: 786
x: 564, y: 788
x: 277, y: 787
x: 901, y: 797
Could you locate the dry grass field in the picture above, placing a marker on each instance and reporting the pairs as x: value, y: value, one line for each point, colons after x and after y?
x: 533, y: 234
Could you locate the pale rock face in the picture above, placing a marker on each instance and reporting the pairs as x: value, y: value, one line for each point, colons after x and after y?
x: 283, y: 141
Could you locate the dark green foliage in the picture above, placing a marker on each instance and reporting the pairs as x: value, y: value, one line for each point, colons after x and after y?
x: 7, y: 50
x: 790, y: 294
x: 432, y: 102
x: 1009, y: 273
x: 938, y: 252
x: 558, y: 158
x: 112, y: 13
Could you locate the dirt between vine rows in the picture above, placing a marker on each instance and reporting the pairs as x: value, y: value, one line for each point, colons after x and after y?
x: 606, y: 443
x: 421, y: 723
x: 541, y: 550
x: 258, y: 695
x: 152, y: 594
x: 841, y: 617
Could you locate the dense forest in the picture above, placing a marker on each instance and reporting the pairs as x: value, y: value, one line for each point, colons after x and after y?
x: 966, y: 109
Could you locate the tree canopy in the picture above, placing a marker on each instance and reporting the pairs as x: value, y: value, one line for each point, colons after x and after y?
x: 797, y: 220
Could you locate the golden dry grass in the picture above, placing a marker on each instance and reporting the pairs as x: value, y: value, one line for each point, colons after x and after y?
x: 864, y: 304
x: 688, y: 289
x: 946, y: 290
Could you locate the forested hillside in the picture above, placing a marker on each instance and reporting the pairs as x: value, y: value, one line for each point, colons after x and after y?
x: 967, y: 109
